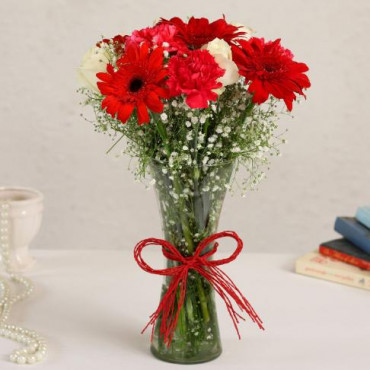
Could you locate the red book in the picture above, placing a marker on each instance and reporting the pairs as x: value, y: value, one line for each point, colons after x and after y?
x: 345, y: 251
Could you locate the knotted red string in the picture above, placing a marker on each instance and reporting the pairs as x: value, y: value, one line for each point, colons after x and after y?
x: 221, y: 283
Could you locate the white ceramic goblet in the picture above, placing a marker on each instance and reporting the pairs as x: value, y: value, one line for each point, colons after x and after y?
x: 24, y: 221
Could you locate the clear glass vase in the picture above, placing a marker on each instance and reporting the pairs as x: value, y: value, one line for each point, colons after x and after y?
x: 190, y: 200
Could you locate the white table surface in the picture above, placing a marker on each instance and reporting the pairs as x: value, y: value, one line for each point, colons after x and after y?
x: 92, y: 305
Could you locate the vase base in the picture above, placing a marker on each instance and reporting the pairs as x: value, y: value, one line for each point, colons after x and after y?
x: 184, y: 361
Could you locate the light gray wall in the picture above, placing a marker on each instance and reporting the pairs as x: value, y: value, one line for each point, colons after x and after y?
x: 92, y: 200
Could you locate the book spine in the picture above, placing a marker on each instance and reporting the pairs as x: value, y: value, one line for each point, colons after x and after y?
x: 353, y: 234
x: 331, y: 274
x: 344, y: 257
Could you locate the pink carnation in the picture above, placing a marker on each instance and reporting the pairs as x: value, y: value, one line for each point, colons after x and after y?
x: 195, y: 76
x: 160, y: 35
x: 138, y: 36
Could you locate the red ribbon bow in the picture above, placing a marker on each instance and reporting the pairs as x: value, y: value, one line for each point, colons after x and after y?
x: 221, y: 283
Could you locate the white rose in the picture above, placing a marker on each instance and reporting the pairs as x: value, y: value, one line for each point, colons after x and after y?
x: 221, y: 51
x: 248, y: 32
x: 94, y: 61
x: 218, y: 47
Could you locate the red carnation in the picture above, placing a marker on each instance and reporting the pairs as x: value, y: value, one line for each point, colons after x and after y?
x: 138, y: 83
x: 195, y: 76
x: 198, y: 31
x: 270, y: 69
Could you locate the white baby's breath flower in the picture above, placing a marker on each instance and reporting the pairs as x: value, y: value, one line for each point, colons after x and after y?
x: 164, y: 117
x: 202, y: 119
x: 201, y: 137
x: 95, y: 60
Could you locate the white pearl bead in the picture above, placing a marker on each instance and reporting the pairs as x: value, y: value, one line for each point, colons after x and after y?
x: 21, y: 360
x: 31, y: 359
x: 29, y: 338
x: 32, y: 348
x: 13, y: 336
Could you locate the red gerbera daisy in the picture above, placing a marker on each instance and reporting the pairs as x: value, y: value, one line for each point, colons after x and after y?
x: 138, y: 83
x: 270, y: 69
x: 198, y: 31
x: 195, y: 76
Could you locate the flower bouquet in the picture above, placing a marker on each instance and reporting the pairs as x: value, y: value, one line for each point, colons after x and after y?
x: 195, y: 101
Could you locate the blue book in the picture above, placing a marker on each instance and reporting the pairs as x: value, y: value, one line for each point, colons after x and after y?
x: 354, y: 231
x: 363, y: 216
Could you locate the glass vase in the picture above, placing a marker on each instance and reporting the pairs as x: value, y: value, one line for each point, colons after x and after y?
x: 190, y: 201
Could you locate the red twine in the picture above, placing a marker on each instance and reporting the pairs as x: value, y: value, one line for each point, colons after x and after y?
x: 209, y: 269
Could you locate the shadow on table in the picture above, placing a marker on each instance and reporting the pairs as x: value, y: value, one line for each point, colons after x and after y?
x: 105, y: 326
x: 288, y: 265
x: 123, y: 333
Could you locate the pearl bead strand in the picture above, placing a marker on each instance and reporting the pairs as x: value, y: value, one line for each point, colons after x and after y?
x: 34, y: 349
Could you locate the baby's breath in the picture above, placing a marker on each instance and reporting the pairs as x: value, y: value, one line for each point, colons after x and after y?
x: 231, y: 129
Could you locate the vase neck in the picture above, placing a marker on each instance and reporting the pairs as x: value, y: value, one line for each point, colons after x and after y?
x: 190, y: 202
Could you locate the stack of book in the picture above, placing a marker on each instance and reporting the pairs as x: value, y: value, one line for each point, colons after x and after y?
x: 345, y: 260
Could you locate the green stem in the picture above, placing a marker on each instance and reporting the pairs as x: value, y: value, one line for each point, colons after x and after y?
x: 111, y: 148
x: 202, y: 299
x: 205, y: 128
x: 182, y: 321
x: 184, y: 220
x: 183, y: 217
x: 247, y: 111
x: 163, y: 134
